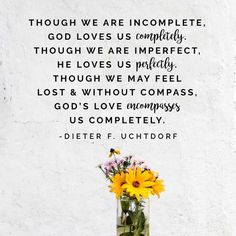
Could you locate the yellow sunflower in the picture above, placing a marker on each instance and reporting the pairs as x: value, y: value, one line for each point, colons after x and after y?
x: 116, y: 186
x: 138, y: 183
x: 153, y: 175
x: 113, y: 152
x: 158, y: 187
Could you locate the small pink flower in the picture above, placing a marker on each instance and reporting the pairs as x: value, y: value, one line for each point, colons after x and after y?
x: 120, y: 161
x: 110, y: 164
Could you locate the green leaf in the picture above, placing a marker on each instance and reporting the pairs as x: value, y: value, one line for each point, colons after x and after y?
x: 127, y: 234
x: 124, y: 205
x: 141, y: 222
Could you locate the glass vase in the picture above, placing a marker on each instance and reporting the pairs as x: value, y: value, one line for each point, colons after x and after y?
x: 132, y: 217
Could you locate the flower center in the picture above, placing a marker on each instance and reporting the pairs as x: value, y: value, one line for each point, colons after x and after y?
x: 136, y: 184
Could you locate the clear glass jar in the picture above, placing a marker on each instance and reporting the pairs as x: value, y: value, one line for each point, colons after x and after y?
x: 132, y: 217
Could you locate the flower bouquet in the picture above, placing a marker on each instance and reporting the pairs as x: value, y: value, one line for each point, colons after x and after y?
x: 132, y: 182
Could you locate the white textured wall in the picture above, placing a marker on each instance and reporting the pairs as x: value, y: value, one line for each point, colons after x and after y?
x: 50, y: 187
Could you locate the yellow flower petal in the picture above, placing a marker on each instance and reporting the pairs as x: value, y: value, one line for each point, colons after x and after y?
x: 117, y: 182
